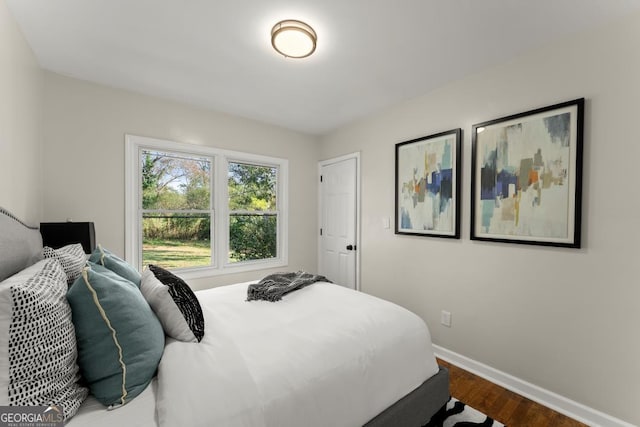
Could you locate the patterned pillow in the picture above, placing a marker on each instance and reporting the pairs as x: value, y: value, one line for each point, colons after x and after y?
x: 120, y: 340
x: 107, y: 259
x: 37, y: 340
x: 72, y: 258
x: 174, y: 303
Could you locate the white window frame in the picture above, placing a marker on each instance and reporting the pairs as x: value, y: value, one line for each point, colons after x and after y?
x: 220, y: 221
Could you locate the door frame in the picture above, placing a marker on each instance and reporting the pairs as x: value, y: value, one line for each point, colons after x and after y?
x: 358, y: 250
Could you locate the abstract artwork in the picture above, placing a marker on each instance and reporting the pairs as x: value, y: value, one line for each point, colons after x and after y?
x: 527, y: 177
x: 428, y: 185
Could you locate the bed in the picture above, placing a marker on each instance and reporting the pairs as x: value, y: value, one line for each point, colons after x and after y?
x: 323, y: 355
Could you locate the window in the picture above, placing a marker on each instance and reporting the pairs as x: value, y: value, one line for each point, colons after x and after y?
x: 202, y: 210
x: 253, y: 215
x: 176, y: 209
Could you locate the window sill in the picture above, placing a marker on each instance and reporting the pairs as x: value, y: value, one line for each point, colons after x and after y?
x: 202, y: 272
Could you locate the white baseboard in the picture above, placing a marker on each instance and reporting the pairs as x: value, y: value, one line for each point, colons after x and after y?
x: 568, y: 407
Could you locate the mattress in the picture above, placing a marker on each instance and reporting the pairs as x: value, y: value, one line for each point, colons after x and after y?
x: 324, y: 355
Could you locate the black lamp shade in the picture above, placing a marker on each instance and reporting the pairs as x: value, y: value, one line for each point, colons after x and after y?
x: 59, y: 234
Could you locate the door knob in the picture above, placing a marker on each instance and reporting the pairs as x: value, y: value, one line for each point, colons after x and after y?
x: 351, y: 247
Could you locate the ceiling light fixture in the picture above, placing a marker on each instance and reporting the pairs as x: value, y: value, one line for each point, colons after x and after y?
x: 293, y: 39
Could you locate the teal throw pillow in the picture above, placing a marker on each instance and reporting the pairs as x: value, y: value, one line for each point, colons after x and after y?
x: 120, y: 340
x: 119, y: 266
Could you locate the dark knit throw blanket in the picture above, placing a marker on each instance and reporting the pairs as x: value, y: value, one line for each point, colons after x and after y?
x: 274, y: 286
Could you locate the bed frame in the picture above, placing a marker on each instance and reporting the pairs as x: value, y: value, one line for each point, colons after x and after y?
x: 21, y: 246
x: 417, y: 407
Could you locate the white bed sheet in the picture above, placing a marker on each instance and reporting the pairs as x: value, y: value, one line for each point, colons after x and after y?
x: 140, y: 412
x: 324, y: 355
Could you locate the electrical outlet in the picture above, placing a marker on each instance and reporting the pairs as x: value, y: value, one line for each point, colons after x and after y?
x: 445, y: 318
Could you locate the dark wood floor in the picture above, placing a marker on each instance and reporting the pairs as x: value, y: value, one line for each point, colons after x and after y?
x: 501, y: 404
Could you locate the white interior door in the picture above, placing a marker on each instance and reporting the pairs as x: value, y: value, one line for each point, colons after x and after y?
x: 338, y: 258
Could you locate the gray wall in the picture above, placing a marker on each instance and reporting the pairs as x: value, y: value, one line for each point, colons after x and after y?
x: 20, y: 122
x: 85, y: 126
x: 565, y: 320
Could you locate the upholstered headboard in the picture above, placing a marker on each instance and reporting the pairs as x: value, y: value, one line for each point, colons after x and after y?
x: 20, y: 244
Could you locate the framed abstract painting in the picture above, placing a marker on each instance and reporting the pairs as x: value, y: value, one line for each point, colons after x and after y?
x: 526, y: 177
x: 428, y: 185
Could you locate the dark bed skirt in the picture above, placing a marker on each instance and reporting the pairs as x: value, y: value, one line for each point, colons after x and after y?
x: 417, y: 407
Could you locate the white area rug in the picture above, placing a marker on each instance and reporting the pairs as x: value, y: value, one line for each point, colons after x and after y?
x: 459, y: 414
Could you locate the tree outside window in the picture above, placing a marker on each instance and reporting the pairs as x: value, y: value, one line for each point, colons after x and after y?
x: 253, y: 215
x: 176, y: 210
x: 178, y: 214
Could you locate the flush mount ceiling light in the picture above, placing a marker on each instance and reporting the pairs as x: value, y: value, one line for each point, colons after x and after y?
x: 293, y: 39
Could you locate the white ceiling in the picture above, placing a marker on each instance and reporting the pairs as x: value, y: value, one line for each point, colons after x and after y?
x: 371, y: 53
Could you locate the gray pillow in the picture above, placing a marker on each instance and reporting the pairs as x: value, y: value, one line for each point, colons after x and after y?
x: 174, y: 303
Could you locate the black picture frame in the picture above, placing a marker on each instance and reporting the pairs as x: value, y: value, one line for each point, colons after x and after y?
x: 526, y: 177
x: 427, y: 185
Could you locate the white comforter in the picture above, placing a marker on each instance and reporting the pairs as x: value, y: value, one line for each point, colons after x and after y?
x: 323, y: 356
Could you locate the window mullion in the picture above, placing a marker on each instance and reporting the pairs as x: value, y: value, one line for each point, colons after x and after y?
x: 214, y: 230
x: 177, y: 211
x: 250, y: 212
x: 222, y: 240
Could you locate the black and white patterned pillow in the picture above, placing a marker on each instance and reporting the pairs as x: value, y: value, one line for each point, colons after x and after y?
x: 71, y: 257
x: 37, y: 340
x: 174, y: 303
